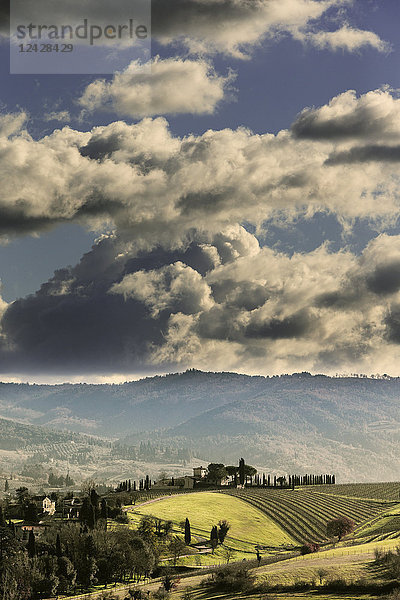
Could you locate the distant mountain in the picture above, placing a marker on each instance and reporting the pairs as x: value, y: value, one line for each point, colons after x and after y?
x: 116, y: 410
x: 289, y: 423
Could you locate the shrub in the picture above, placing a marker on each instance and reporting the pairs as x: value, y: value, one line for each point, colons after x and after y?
x: 336, y: 585
x: 309, y: 548
x: 231, y: 578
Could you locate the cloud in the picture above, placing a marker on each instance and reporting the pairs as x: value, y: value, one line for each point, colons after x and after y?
x: 251, y: 309
x: 235, y: 26
x: 231, y: 27
x: 61, y: 115
x: 173, y: 86
x: 374, y: 115
x: 151, y: 185
x: 363, y: 154
x: 174, y: 288
x: 346, y: 38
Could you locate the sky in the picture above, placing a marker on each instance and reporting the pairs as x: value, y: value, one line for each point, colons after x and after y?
x: 228, y: 202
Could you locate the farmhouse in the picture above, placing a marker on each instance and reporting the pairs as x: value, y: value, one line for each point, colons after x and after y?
x: 199, y: 472
x: 48, y: 506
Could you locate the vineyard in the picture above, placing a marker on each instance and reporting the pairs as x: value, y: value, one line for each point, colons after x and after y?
x: 304, y: 513
x: 374, y: 491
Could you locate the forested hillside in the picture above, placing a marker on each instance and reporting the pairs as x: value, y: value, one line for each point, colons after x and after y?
x: 287, y: 423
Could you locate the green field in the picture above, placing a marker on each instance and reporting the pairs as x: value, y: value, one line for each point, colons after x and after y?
x: 249, y: 526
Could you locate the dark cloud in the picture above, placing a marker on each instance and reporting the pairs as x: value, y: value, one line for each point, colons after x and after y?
x: 183, y: 18
x: 392, y: 323
x: 310, y: 126
x: 73, y: 324
x: 224, y: 323
x: 360, y: 154
x: 203, y: 202
x: 382, y: 279
x: 347, y: 116
x: 385, y: 279
x: 246, y: 295
x: 221, y: 324
x: 100, y: 147
x: 294, y: 326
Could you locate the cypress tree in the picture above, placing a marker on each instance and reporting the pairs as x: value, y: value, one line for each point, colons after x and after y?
x: 104, y: 509
x: 214, y: 538
x: 58, y: 546
x: 188, y: 536
x: 241, y: 471
x: 92, y: 517
x: 31, y: 546
x: 6, y: 486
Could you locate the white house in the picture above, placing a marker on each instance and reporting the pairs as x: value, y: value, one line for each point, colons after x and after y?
x: 49, y: 506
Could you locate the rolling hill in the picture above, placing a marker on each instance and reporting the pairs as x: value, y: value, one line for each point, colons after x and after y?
x: 292, y: 423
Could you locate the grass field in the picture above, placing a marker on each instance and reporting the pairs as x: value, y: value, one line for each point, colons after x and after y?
x: 249, y: 526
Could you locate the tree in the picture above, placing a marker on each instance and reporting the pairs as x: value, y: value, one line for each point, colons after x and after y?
x: 2, y: 519
x: 91, y: 523
x: 177, y: 546
x: 214, y: 538
x: 66, y: 574
x: 188, y: 536
x: 58, y: 546
x: 84, y: 513
x: 216, y: 472
x: 223, y: 528
x: 22, y: 494
x: 169, y: 582
x: 104, y: 509
x: 167, y: 528
x: 147, y: 529
x: 31, y: 546
x: 231, y: 470
x: 340, y: 527
x: 242, y: 475
x: 6, y: 486
x: 249, y: 471
x: 31, y: 513
x: 227, y: 553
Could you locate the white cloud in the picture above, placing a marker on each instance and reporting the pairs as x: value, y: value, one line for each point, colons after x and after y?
x: 320, y: 313
x: 346, y: 38
x: 153, y: 186
x: 176, y: 288
x: 173, y: 86
x: 61, y: 115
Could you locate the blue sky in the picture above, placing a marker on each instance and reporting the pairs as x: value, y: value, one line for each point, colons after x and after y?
x: 287, y: 68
